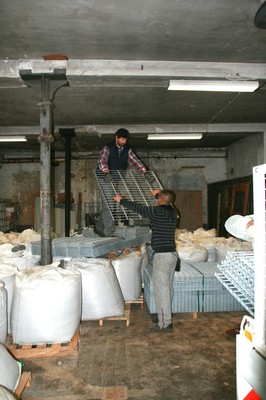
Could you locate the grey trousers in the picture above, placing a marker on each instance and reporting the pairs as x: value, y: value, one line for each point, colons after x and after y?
x: 162, y: 276
x: 105, y: 223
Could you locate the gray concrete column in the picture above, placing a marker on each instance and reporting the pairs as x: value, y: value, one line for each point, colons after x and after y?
x: 46, y: 85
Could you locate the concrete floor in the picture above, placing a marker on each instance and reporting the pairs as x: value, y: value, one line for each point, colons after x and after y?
x: 196, y: 361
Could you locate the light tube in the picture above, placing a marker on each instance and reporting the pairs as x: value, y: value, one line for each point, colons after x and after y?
x: 214, y: 86
x: 13, y: 139
x: 174, y: 136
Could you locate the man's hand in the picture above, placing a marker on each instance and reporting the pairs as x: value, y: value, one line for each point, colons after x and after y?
x: 108, y: 178
x: 155, y: 191
x: 117, y: 198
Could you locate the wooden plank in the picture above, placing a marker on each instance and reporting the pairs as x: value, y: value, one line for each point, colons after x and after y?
x: 25, y: 381
x: 45, y: 350
x: 140, y: 301
x: 125, y: 317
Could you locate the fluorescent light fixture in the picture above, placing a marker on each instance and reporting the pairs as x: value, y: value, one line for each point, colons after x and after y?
x: 214, y: 86
x: 13, y: 139
x: 174, y: 136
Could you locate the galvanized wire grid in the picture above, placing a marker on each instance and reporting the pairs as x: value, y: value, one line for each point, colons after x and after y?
x: 237, y: 275
x: 132, y: 185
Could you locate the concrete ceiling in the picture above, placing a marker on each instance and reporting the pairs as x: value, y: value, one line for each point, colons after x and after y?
x: 121, y: 55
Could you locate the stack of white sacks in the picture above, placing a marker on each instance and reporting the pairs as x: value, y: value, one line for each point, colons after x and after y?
x: 204, y: 245
x: 45, y: 304
x: 10, y: 373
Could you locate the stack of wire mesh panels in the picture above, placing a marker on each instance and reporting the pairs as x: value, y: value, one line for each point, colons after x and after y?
x: 82, y: 246
x: 215, y: 297
x: 132, y: 185
x: 195, y: 289
x: 187, y: 289
x: 237, y: 275
x: 134, y: 235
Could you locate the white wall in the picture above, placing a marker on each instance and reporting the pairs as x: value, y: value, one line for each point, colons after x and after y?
x: 20, y: 184
x: 179, y: 170
x: 244, y: 155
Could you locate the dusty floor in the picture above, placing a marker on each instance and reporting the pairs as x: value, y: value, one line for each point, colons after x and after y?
x: 196, y: 361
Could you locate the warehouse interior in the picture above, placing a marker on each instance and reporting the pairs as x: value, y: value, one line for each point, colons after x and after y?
x: 71, y: 74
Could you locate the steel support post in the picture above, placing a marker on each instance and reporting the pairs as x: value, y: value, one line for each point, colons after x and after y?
x: 68, y: 134
x: 46, y: 85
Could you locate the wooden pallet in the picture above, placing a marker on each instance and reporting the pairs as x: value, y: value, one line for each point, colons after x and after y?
x: 25, y: 381
x: 140, y: 301
x: 125, y: 317
x: 22, y: 351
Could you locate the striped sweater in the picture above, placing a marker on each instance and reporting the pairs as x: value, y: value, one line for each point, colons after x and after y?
x: 163, y: 222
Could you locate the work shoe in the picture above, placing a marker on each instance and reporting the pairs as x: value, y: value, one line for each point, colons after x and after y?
x: 156, y: 328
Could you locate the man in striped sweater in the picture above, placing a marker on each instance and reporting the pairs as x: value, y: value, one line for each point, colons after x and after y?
x: 163, y: 222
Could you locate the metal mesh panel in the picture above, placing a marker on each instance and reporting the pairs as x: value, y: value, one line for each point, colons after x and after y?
x: 237, y: 276
x: 132, y: 185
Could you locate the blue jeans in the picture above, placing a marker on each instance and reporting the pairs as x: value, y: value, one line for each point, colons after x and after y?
x: 163, y: 274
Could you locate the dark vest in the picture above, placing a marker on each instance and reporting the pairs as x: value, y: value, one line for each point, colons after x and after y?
x: 115, y: 161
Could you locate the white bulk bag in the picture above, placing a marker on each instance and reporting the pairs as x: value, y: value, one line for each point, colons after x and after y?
x: 230, y: 244
x: 46, y: 305
x: 101, y: 293
x: 3, y: 313
x: 7, y: 275
x: 128, y: 272
x: 10, y: 370
x: 6, y: 394
x: 20, y: 262
x: 191, y: 252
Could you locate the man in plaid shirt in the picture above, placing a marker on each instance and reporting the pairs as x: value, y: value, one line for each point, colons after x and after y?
x: 114, y: 156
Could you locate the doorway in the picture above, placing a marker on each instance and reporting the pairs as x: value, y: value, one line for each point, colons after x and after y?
x: 189, y: 205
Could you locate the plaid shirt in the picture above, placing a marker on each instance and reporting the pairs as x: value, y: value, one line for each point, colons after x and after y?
x: 132, y: 160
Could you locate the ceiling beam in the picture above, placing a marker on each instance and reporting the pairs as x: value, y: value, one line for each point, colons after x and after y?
x: 122, y: 68
x: 145, y: 129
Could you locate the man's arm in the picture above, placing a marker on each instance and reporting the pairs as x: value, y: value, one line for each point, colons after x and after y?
x: 103, y: 159
x: 135, y: 162
x: 145, y: 211
x: 118, y: 197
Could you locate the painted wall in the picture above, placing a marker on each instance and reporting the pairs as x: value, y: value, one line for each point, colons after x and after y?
x: 178, y: 170
x: 244, y: 155
x: 20, y: 183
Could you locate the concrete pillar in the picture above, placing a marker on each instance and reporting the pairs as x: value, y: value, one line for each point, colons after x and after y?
x: 68, y: 134
x: 46, y: 85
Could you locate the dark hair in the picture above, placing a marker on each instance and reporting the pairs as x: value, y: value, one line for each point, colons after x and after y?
x: 122, y: 132
x: 168, y: 195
